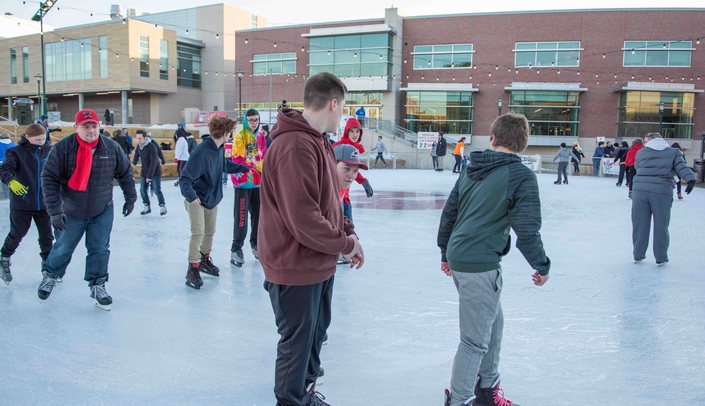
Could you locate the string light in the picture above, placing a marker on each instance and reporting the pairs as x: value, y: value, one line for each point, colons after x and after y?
x: 246, y: 40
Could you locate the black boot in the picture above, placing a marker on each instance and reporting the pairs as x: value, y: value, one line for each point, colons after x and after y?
x: 193, y: 277
x: 207, y: 265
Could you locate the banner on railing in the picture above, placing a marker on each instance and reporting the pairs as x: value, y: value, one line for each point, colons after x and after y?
x: 203, y: 117
x: 426, y: 140
x: 609, y: 167
x: 532, y: 161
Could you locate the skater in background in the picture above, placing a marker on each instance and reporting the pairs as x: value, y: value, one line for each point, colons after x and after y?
x: 200, y: 186
x: 678, y: 182
x: 77, y: 185
x: 434, y: 156
x: 381, y: 150
x: 441, y: 147
x: 459, y: 154
x: 495, y: 194
x: 637, y: 145
x: 44, y: 121
x: 150, y: 173
x: 181, y: 151
x: 353, y: 136
x: 578, y: 152
x: 609, y: 150
x: 21, y: 171
x: 563, y: 156
x: 656, y: 165
x: 249, y: 147
x: 597, y: 158
x: 301, y: 233
x: 621, y: 156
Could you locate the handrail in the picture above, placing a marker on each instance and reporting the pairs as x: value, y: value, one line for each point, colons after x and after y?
x: 398, y: 133
x: 4, y: 121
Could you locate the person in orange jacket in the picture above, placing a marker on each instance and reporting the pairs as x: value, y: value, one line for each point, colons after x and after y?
x: 353, y: 136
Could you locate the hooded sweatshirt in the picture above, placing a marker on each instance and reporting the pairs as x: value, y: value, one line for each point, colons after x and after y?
x: 24, y: 164
x: 301, y: 228
x: 248, y: 148
x: 496, y: 193
x: 631, y: 154
x: 345, y: 139
x: 656, y: 165
x: 564, y: 155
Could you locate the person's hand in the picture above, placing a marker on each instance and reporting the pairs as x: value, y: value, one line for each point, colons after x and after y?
x: 355, y: 250
x: 539, y: 279
x: 58, y: 221
x: 176, y: 160
x: 57, y: 129
x: 196, y: 202
x: 689, y: 187
x: 445, y: 268
x: 148, y: 180
x: 17, y: 188
x: 368, y: 188
x: 358, y: 259
x: 127, y: 209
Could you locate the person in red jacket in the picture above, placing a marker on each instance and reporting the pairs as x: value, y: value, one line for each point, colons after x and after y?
x: 637, y: 144
x: 353, y: 136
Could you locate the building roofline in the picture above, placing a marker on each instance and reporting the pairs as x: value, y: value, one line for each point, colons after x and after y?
x: 596, y: 10
x: 304, y: 25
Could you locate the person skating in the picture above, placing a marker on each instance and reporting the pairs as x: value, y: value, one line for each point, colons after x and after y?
x: 459, y: 155
x: 629, y: 162
x: 77, y: 185
x: 496, y: 193
x: 150, y: 173
x: 578, y: 152
x: 563, y: 156
x: 353, y: 136
x: 21, y: 171
x: 381, y: 150
x: 441, y: 148
x: 181, y: 150
x: 200, y: 183
x: 597, y: 158
x: 621, y: 156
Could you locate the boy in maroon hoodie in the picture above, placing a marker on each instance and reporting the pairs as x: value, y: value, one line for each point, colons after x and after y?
x: 353, y: 136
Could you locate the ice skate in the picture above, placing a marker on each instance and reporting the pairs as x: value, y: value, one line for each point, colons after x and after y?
x: 660, y: 264
x: 162, y: 210
x: 207, y: 265
x: 680, y: 196
x: 255, y: 253
x: 636, y: 261
x: 316, y: 398
x: 46, y: 286
x: 146, y: 210
x: 193, y: 277
x: 319, y: 379
x: 447, y: 401
x: 237, y: 258
x: 493, y: 396
x: 565, y: 182
x: 102, y: 298
x: 5, y: 274
x: 558, y: 182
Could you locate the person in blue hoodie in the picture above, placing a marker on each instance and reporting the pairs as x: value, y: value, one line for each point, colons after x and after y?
x: 21, y: 171
x: 597, y: 158
x: 200, y: 183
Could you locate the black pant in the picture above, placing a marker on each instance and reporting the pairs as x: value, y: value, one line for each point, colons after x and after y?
x: 631, y: 172
x: 20, y: 221
x: 380, y: 155
x: 246, y: 200
x: 302, y: 315
x: 180, y: 167
x: 622, y: 171
x: 458, y: 163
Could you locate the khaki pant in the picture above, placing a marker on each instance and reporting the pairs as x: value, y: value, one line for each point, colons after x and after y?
x: 202, y: 230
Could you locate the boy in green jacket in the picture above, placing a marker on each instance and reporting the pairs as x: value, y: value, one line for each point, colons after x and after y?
x: 497, y: 193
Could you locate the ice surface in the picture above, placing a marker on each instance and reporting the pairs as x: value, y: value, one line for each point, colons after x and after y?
x: 602, y: 331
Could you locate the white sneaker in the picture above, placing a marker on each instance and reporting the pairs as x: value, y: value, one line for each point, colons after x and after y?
x: 162, y: 210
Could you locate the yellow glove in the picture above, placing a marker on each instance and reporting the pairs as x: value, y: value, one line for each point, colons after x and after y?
x: 17, y: 188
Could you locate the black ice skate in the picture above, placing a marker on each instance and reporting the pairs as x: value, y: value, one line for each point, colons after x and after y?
x: 193, y: 277
x: 255, y: 253
x: 493, y: 396
x: 237, y: 258
x: 46, y: 286
x: 316, y: 398
x: 5, y: 274
x: 207, y: 265
x: 102, y: 298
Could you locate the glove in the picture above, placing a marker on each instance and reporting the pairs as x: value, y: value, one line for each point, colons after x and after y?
x: 176, y: 160
x: 689, y: 187
x: 58, y: 221
x: 127, y: 209
x: 368, y: 188
x: 17, y: 188
x: 57, y: 129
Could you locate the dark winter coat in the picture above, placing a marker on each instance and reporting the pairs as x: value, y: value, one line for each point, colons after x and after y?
x: 122, y: 142
x: 149, y: 154
x: 191, y: 141
x: 496, y: 193
x: 24, y: 164
x: 441, y: 146
x: 656, y: 165
x: 621, y: 155
x: 109, y: 162
x: 578, y: 154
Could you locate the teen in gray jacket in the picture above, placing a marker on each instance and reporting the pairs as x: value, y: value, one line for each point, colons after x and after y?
x: 656, y: 165
x: 563, y: 156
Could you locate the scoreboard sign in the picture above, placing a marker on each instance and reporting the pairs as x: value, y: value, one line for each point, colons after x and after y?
x: 425, y: 140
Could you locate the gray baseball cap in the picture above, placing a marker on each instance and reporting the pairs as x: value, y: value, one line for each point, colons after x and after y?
x: 348, y: 154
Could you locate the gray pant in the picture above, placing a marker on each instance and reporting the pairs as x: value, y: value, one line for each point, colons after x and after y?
x: 562, y: 166
x: 481, y: 326
x: 644, y: 206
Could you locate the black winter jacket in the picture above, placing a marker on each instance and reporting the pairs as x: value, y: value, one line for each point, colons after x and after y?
x: 24, y: 164
x: 109, y: 162
x: 149, y: 154
x: 441, y: 147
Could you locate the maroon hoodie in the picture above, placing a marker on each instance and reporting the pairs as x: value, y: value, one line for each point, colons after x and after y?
x: 301, y: 229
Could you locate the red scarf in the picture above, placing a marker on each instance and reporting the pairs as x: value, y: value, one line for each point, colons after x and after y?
x: 84, y: 163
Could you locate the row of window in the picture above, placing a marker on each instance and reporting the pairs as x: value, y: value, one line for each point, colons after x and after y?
x: 554, y: 112
x: 13, y: 65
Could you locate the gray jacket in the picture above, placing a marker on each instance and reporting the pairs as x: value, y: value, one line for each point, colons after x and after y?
x: 656, y: 165
x: 564, y: 155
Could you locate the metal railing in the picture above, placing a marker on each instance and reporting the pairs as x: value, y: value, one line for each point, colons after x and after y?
x: 9, y: 126
x: 390, y: 129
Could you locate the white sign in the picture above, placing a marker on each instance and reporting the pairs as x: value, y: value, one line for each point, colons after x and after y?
x: 533, y: 162
x: 426, y: 140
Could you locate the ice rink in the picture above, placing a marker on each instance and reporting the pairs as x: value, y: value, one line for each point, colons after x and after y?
x: 602, y: 331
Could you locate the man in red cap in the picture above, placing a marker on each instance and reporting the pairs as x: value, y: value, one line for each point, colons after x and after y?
x: 77, y: 184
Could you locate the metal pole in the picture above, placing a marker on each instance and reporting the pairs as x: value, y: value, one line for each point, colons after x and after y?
x: 239, y: 104
x: 270, y: 96
x: 44, y: 75
x: 660, y: 118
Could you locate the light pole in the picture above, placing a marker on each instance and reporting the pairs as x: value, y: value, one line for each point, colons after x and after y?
x: 660, y: 118
x: 499, y: 106
x: 270, y: 96
x: 39, y: 16
x: 239, y: 88
x: 39, y: 92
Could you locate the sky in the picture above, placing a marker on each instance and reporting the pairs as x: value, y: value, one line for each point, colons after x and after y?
x: 281, y: 12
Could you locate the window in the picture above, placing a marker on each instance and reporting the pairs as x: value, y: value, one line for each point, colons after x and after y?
x: 657, y: 53
x: 532, y: 54
x: 25, y: 64
x: 443, y: 56
x: 639, y: 114
x: 188, y: 64
x: 548, y: 112
x: 278, y: 63
x: 103, y: 50
x: 163, y: 59
x: 253, y: 21
x: 68, y: 60
x: 13, y: 66
x: 450, y: 112
x: 144, y: 56
x: 351, y: 55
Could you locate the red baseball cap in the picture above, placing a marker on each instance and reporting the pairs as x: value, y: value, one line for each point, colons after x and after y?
x: 86, y: 116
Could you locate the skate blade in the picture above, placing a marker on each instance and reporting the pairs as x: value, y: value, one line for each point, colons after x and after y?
x: 237, y: 264
x: 59, y: 280
x: 6, y: 282
x: 211, y: 274
x: 319, y: 381
x: 191, y: 285
x: 103, y: 307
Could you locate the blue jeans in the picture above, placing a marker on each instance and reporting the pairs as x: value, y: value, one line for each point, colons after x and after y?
x: 97, y: 231
x: 596, y: 166
x: 347, y: 210
x: 156, y: 186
